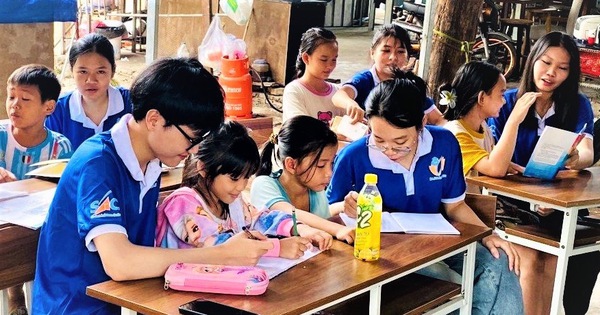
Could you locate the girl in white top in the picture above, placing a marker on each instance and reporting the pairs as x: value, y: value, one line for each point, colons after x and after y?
x: 310, y: 94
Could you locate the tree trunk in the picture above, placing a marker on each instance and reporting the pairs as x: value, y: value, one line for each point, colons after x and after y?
x: 458, y: 20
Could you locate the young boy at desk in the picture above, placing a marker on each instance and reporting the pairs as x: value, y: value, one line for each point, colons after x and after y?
x: 101, y: 223
x: 32, y: 91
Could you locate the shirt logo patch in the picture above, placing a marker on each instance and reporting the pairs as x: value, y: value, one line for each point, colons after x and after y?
x: 437, y: 167
x: 104, y: 206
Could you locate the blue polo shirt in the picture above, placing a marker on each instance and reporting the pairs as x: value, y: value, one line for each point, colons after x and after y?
x: 363, y: 82
x: 102, y: 190
x: 528, y: 136
x: 435, y: 177
x: 70, y: 120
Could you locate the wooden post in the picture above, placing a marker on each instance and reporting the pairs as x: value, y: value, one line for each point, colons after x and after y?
x: 458, y: 21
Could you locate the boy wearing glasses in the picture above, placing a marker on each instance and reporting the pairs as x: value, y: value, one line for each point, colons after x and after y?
x: 103, y: 217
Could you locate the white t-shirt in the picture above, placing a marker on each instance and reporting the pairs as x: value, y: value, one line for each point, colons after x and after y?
x: 299, y: 99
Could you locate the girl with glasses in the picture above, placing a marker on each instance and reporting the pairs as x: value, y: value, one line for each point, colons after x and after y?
x: 420, y: 170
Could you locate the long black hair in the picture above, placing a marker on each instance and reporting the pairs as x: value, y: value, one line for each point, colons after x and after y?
x: 470, y: 79
x: 565, y: 96
x: 299, y: 137
x: 399, y: 100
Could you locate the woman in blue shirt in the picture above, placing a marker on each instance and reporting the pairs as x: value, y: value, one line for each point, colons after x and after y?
x: 553, y: 70
x: 420, y: 170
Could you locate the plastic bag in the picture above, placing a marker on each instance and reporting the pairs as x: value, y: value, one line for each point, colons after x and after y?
x: 238, y: 10
x: 210, y: 50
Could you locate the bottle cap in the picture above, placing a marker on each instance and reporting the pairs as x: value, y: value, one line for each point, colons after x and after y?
x: 371, y: 178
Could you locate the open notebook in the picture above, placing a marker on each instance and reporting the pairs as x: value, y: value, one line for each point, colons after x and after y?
x: 412, y: 223
x: 276, y: 265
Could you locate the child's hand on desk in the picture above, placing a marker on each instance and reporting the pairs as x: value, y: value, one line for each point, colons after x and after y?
x: 6, y: 176
x: 294, y: 247
x: 493, y: 242
x: 244, y: 251
x: 320, y: 238
x: 345, y: 234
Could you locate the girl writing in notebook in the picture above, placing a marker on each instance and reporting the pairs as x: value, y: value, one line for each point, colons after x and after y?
x: 305, y: 148
x: 552, y: 69
x: 95, y: 105
x: 419, y: 170
x: 209, y: 208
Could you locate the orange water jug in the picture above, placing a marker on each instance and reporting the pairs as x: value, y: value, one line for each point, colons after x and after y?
x: 236, y: 81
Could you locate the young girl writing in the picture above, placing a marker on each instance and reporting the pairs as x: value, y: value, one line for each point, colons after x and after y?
x: 310, y: 94
x: 419, y: 170
x: 390, y: 49
x: 552, y: 71
x: 476, y: 94
x: 208, y: 209
x: 95, y: 105
x: 306, y: 148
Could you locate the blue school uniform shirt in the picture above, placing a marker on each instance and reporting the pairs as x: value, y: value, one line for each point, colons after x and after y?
x: 102, y: 190
x: 363, y: 82
x: 18, y: 159
x: 527, y: 137
x: 70, y: 120
x: 435, y: 176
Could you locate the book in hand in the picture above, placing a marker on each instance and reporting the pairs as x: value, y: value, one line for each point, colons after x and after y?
x: 410, y: 223
x: 551, y: 152
x: 342, y: 125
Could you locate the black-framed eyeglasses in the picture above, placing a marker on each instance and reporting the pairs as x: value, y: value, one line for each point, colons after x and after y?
x: 193, y: 141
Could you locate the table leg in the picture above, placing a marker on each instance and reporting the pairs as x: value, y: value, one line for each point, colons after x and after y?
x: 4, y: 301
x: 375, y: 300
x: 468, y: 276
x: 567, y: 238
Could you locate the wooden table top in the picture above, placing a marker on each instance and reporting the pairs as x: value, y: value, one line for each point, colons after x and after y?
x: 315, y: 282
x: 568, y: 189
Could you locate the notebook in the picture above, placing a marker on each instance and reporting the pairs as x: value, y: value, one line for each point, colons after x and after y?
x: 410, y: 223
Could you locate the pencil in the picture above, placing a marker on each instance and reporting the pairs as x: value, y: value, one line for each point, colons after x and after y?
x: 250, y: 235
x: 295, y: 226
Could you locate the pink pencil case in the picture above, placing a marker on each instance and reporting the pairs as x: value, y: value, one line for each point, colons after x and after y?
x: 240, y: 280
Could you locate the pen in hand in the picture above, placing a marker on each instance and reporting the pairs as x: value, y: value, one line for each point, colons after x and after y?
x: 248, y: 233
x: 295, y: 224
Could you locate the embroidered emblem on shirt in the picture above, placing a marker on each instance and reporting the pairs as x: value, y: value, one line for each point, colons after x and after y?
x: 437, y: 167
x: 103, y: 206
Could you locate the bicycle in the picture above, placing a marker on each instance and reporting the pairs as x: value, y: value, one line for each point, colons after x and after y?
x: 491, y: 46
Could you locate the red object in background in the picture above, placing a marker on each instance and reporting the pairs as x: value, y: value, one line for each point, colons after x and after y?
x: 591, y: 40
x: 236, y: 81
x: 590, y: 62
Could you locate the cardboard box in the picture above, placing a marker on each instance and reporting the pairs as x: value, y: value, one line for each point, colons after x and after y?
x: 260, y: 128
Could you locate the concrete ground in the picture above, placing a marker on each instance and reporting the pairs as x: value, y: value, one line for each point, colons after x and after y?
x: 354, y: 44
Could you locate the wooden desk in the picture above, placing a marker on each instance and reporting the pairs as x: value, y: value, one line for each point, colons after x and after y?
x: 569, y: 192
x: 322, y: 281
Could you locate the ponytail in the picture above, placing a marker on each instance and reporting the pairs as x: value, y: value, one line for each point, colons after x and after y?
x: 311, y: 39
x: 266, y: 157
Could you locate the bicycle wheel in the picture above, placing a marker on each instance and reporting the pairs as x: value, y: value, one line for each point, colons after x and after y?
x: 502, y: 52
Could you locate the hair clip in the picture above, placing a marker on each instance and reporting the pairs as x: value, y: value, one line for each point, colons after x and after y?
x: 273, y: 138
x: 448, y: 98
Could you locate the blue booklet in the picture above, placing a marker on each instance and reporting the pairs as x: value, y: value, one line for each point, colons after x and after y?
x: 551, y: 152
